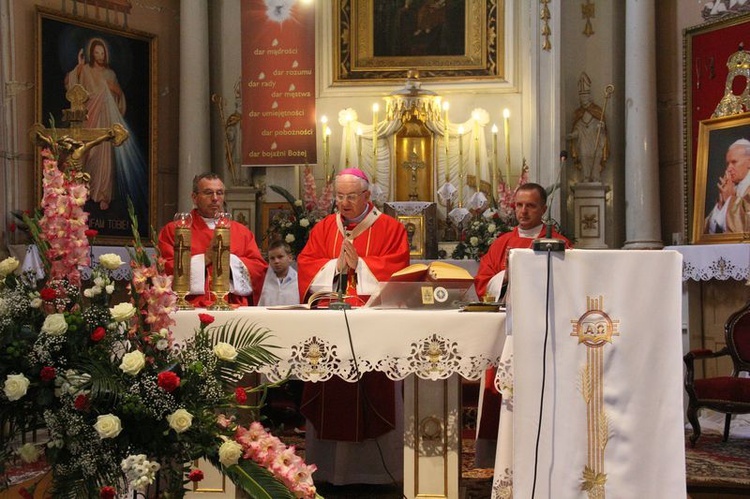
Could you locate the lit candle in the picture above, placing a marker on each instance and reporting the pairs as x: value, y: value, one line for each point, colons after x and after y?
x: 327, y: 153
x: 460, y: 166
x: 324, y: 121
x: 506, y: 124
x: 447, y: 136
x: 477, y: 172
x: 347, y: 130
x: 493, y: 176
x: 359, y: 147
x: 375, y: 109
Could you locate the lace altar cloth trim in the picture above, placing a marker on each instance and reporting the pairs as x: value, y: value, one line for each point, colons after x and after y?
x: 714, y: 261
x: 313, y: 345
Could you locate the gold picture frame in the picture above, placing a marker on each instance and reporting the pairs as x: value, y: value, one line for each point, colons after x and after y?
x: 715, y: 136
x: 415, y: 232
x: 460, y: 39
x: 67, y: 43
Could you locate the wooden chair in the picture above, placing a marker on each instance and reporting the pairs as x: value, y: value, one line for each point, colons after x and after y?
x: 726, y: 394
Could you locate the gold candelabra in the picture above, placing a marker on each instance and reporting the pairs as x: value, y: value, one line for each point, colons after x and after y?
x: 182, y: 255
x: 220, y: 258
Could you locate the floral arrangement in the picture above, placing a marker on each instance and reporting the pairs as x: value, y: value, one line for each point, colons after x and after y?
x: 485, y: 226
x: 295, y: 227
x: 117, y: 405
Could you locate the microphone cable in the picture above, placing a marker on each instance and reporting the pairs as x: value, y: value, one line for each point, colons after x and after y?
x: 366, y: 401
x: 544, y: 368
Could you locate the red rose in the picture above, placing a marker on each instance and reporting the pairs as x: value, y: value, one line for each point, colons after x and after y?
x: 98, y: 334
x: 12, y: 227
x: 195, y: 476
x: 47, y: 373
x: 206, y: 319
x: 107, y: 492
x: 23, y: 492
x: 81, y: 402
x: 91, y: 233
x: 168, y: 380
x: 48, y: 294
x: 240, y: 395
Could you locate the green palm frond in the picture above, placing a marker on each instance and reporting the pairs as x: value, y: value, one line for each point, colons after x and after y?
x: 251, y: 342
x: 253, y: 479
x: 105, y: 385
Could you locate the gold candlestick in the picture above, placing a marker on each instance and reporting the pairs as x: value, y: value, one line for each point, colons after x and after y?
x: 220, y: 259
x: 182, y: 255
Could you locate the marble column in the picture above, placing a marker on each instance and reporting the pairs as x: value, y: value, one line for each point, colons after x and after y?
x: 195, y: 97
x: 642, y: 213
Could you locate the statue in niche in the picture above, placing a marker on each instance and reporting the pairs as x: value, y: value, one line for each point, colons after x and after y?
x: 589, y: 142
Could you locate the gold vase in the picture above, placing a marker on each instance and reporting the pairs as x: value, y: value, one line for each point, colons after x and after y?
x: 220, y: 277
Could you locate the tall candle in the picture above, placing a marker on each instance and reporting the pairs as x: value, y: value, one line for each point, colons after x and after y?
x: 493, y: 176
x: 506, y: 124
x: 347, y: 139
x: 324, y: 121
x: 375, y: 109
x: 460, y: 166
x: 327, y: 149
x: 359, y: 147
x: 447, y: 135
x: 477, y: 172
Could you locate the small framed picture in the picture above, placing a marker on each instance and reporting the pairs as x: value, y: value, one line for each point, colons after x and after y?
x: 415, y: 232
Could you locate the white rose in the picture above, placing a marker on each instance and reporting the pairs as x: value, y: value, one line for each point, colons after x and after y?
x: 35, y: 303
x: 99, y: 282
x: 122, y: 311
x: 180, y: 420
x: 108, y: 426
x: 229, y: 453
x: 88, y: 293
x: 474, y: 240
x: 110, y: 288
x: 225, y: 351
x: 303, y: 222
x: 29, y: 453
x: 289, y: 238
x: 298, y: 202
x: 133, y: 362
x: 55, y: 325
x: 110, y: 261
x: 491, y: 228
x: 7, y: 266
x: 15, y: 386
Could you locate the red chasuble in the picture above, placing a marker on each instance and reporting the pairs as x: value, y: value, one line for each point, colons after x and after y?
x: 495, y: 260
x: 241, y: 244
x: 337, y: 409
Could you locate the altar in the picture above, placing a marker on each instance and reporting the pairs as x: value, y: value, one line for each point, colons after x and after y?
x: 429, y: 349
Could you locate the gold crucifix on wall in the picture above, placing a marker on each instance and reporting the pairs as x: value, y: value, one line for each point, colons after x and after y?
x: 74, y: 142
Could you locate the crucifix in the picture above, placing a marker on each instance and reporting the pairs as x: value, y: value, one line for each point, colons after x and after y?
x: 413, y: 164
x: 76, y: 140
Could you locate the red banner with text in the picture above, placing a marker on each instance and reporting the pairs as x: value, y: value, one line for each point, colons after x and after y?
x: 278, y: 83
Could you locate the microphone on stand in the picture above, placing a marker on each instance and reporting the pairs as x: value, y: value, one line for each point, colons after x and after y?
x: 549, y: 243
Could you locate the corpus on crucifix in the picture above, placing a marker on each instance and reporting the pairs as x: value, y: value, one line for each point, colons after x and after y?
x: 74, y: 142
x: 413, y: 164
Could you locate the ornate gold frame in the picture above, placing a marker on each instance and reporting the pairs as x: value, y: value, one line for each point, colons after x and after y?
x: 355, y: 62
x: 59, y: 35
x: 714, y: 137
x: 416, y: 243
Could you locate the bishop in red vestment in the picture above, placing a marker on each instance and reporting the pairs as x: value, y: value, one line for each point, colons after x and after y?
x: 366, y: 246
x: 247, y: 266
x: 530, y: 206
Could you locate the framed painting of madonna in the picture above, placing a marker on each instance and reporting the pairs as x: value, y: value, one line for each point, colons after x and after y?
x: 116, y: 67
x: 378, y: 40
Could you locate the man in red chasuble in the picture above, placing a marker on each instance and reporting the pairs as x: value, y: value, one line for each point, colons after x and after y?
x: 363, y: 246
x: 530, y: 206
x: 247, y: 266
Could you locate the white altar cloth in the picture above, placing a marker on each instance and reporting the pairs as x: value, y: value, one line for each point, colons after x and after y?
x: 703, y: 262
x: 612, y: 414
x: 432, y: 344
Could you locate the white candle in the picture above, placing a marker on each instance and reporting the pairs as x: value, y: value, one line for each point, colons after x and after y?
x: 375, y: 109
x: 493, y: 176
x: 324, y: 121
x: 460, y: 166
x: 447, y: 136
x: 506, y: 124
x: 359, y: 147
x: 477, y: 171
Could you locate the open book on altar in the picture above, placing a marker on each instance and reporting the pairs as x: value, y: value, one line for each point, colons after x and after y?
x: 436, y: 271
